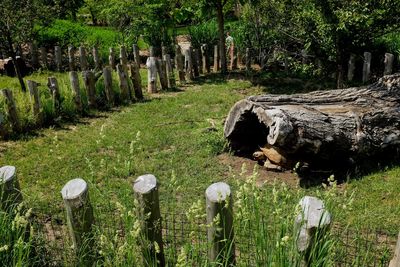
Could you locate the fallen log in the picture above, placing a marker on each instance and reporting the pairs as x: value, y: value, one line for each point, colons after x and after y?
x: 330, y: 130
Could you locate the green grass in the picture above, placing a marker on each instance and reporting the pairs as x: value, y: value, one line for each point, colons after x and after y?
x: 176, y: 136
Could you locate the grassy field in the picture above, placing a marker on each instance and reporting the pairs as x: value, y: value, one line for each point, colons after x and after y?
x: 177, y: 136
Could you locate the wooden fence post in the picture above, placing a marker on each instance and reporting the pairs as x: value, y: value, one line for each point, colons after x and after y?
x: 89, y: 82
x: 35, y: 100
x: 206, y: 59
x: 123, y: 83
x: 163, y: 51
x: 52, y: 84
x: 71, y: 58
x: 43, y: 57
x: 366, y: 67
x: 111, y: 58
x: 395, y: 261
x: 389, y: 58
x: 96, y: 59
x: 195, y: 63
x: 58, y: 58
x: 146, y: 193
x: 107, y: 77
x: 351, y: 67
x: 123, y: 56
x: 136, y: 55
x: 312, y: 224
x: 248, y: 59
x: 220, y: 224
x: 82, y: 58
x: 75, y: 194
x: 162, y: 73
x: 169, y: 71
x: 10, y: 192
x: 151, y: 75
x: 179, y: 62
x: 12, y: 110
x: 216, y: 59
x: 136, y: 81
x: 199, y: 58
x: 73, y: 77
x: 34, y: 55
x: 189, y: 64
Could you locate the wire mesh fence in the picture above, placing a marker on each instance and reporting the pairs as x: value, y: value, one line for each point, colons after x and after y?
x: 353, y: 247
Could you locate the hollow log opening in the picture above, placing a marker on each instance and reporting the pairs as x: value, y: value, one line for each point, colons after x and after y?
x: 330, y: 131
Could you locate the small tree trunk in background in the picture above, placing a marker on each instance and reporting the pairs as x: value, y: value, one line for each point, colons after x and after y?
x: 195, y: 63
x: 366, y: 67
x: 163, y: 51
x: 73, y: 77
x: 43, y: 57
x: 12, y: 110
x: 108, y: 85
x: 89, y: 82
x: 58, y: 58
x: 96, y: 59
x: 248, y: 59
x: 123, y: 83
x: 71, y: 58
x: 389, y: 58
x: 136, y: 81
x: 351, y: 67
x: 111, y: 58
x: 52, y: 84
x: 199, y: 60
x: 136, y: 54
x: 179, y: 62
x: 14, y: 60
x: 216, y: 59
x: 221, y: 31
x: 151, y: 75
x: 82, y: 58
x: 34, y: 55
x: 35, y: 100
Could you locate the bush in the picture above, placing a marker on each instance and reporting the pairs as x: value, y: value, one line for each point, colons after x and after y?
x: 205, y: 33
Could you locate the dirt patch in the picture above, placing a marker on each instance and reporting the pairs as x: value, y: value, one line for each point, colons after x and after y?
x: 264, y: 176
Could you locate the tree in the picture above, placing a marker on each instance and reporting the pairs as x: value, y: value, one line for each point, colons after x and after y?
x: 16, y: 27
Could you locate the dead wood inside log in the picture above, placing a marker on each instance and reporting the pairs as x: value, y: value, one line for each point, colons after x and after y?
x: 329, y: 130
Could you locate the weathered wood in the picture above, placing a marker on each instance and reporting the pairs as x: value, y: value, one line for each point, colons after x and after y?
x: 107, y: 77
x: 248, y: 59
x: 73, y: 77
x: 395, y: 261
x: 216, y: 59
x: 83, y: 58
x: 34, y: 55
x: 220, y: 231
x: 136, y: 55
x: 89, y: 83
x: 123, y: 56
x: 366, y: 67
x: 43, y: 57
x: 188, y: 64
x: 12, y: 113
x: 152, y: 51
x: 199, y: 58
x: 136, y: 80
x: 71, y: 58
x: 162, y: 73
x: 332, y: 130
x: 34, y: 99
x: 312, y: 224
x: 80, y: 219
x: 52, y: 84
x: 164, y: 51
x: 151, y: 65
x: 10, y: 191
x: 169, y: 71
x: 123, y: 84
x: 111, y: 58
x: 195, y: 63
x: 205, y: 59
x: 351, y: 67
x: 389, y: 58
x: 96, y: 59
x: 145, y: 188
x: 58, y: 58
x: 179, y: 62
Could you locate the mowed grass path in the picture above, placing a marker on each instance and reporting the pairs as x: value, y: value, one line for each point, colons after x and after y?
x: 176, y: 136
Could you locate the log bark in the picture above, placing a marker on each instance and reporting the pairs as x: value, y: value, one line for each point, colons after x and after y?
x: 329, y: 130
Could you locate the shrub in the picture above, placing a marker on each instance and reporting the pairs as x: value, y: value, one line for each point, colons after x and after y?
x: 205, y: 33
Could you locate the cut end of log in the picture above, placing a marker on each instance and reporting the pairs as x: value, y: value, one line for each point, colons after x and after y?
x: 218, y: 192
x: 7, y: 173
x: 145, y: 184
x: 74, y: 189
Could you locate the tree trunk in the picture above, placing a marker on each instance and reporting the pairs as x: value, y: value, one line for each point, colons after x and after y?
x: 329, y: 130
x: 220, y: 19
x: 14, y: 61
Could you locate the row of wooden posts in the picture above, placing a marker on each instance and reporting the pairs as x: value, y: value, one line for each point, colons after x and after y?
x: 366, y: 72
x: 311, y: 220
